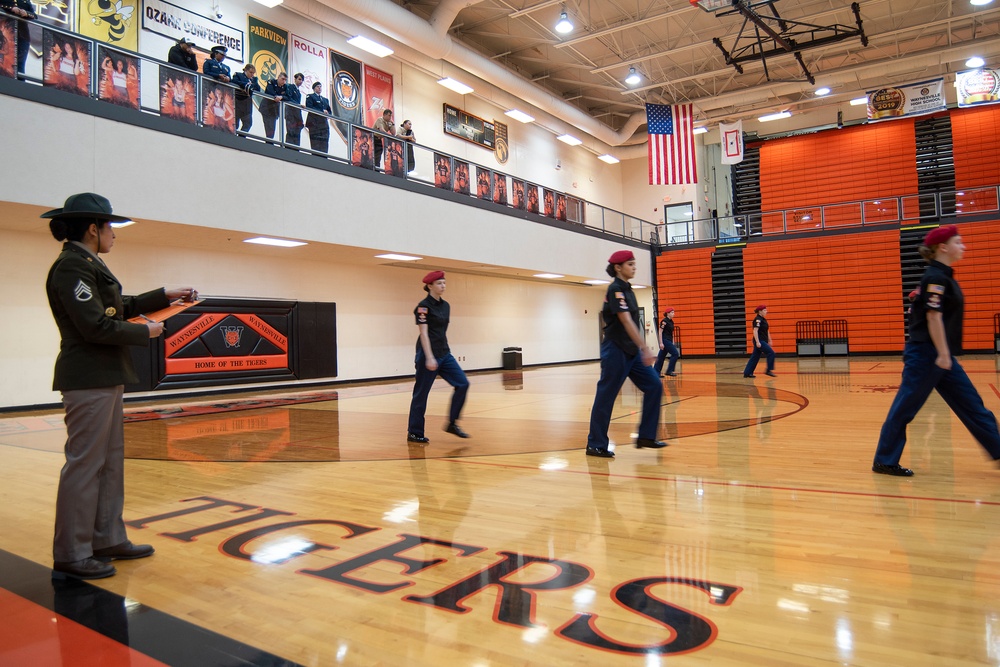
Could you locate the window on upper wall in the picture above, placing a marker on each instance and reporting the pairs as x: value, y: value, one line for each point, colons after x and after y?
x: 679, y: 222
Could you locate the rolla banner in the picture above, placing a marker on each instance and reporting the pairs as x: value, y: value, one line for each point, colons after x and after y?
x: 268, y: 47
x: 309, y: 59
x: 346, y: 92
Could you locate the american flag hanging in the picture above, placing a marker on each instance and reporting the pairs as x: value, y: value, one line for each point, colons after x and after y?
x: 671, y: 144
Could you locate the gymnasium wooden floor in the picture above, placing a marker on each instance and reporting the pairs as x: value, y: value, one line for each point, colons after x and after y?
x: 300, y: 528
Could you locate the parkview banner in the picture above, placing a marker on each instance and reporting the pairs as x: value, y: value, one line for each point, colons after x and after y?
x: 309, y: 59
x: 346, y: 92
x: 268, y: 49
x: 111, y: 22
x: 915, y: 99
x: 378, y: 95
x: 978, y: 86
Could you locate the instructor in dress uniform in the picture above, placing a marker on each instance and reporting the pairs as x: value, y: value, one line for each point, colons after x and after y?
x: 929, y: 361
x: 92, y: 368
x: 624, y: 355
x: 433, y: 359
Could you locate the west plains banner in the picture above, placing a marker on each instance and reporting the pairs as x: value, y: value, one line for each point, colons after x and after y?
x: 268, y: 49
x: 111, y: 22
x: 915, y: 99
x: 978, y: 86
x: 378, y: 95
x: 175, y: 22
x: 309, y: 59
x: 345, y: 94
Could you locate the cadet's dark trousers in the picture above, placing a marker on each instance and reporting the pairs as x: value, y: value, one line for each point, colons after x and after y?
x: 616, y: 367
x: 91, y: 493
x: 921, y: 376
x: 244, y: 114
x: 450, y: 372
x: 765, y: 348
x: 671, y: 349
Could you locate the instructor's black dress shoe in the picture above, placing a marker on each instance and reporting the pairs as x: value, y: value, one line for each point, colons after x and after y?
x: 749, y: 376
x: 650, y: 444
x: 124, y: 551
x: 455, y: 429
x: 411, y: 437
x: 603, y: 453
x: 88, y: 568
x: 894, y: 469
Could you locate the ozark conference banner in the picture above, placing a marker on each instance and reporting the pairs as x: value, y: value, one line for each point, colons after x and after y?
x: 309, y: 59
x: 345, y: 96
x: 268, y: 46
x: 378, y: 95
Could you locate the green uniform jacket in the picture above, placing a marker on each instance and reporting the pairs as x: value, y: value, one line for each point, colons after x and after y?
x: 90, y: 311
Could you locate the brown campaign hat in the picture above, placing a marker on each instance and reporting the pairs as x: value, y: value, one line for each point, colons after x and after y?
x: 85, y: 205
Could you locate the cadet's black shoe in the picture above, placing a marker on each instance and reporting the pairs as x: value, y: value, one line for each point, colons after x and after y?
x: 673, y: 375
x: 894, y: 469
x: 603, y: 453
x: 412, y: 437
x: 455, y: 429
x: 749, y: 376
x: 771, y: 373
x: 88, y: 568
x: 650, y: 444
x: 124, y: 551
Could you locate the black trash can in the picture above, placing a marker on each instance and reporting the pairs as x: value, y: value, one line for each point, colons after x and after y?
x: 512, y: 358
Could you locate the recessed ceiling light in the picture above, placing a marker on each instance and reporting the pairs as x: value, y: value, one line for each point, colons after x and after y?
x: 975, y: 62
x: 281, y: 243
x: 639, y: 286
x: 607, y: 157
x: 549, y: 275
x: 519, y: 115
x: 569, y: 139
x: 457, y: 86
x: 775, y: 116
x: 820, y: 92
x: 979, y: 3
x: 700, y: 130
x: 858, y: 101
x: 398, y: 257
x: 564, y: 25
x: 633, y: 77
x: 370, y: 46
x: 269, y: 3
x: 597, y: 282
x: 123, y: 223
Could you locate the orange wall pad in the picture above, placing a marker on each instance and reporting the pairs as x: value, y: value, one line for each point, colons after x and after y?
x: 974, y: 134
x: 979, y: 276
x: 684, y: 282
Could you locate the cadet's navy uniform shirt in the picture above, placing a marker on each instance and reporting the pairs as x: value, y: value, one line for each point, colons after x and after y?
x: 435, y: 313
x: 760, y: 324
x: 620, y: 299
x: 939, y: 291
x: 667, y: 330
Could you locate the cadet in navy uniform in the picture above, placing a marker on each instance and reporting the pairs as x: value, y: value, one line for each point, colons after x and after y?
x: 214, y: 67
x: 929, y: 357
x: 91, y: 370
x: 667, y: 344
x: 761, y: 344
x: 433, y: 359
x: 319, y: 126
x: 247, y: 83
x: 293, y: 116
x: 624, y: 355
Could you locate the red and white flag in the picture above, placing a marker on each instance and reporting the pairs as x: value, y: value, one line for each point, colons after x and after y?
x: 732, y: 142
x: 671, y: 144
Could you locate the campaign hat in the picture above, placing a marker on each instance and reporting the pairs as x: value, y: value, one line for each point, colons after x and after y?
x: 85, y: 205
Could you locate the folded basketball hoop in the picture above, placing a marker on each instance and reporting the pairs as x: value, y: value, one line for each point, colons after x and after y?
x: 713, y: 5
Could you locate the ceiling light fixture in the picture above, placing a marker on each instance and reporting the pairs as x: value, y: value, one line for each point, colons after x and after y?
x: 398, y: 257
x: 281, y: 243
x: 569, y: 139
x: 370, y: 46
x: 549, y: 275
x: 858, y: 101
x: 457, y: 86
x: 775, y: 116
x: 820, y: 92
x: 975, y: 62
x: 564, y: 25
x: 699, y: 130
x: 609, y: 158
x: 269, y: 3
x: 633, y: 77
x: 979, y: 3
x: 597, y: 281
x: 517, y: 114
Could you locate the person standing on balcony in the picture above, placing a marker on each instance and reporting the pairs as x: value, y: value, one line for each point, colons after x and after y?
x: 624, y: 356
x: 434, y: 358
x: 181, y: 54
x: 761, y: 344
x: 386, y: 126
x: 214, y: 67
x: 406, y: 134
x: 667, y: 344
x: 293, y: 116
x: 319, y: 125
x: 246, y: 84
x: 24, y: 10
x: 274, y: 94
x: 929, y: 358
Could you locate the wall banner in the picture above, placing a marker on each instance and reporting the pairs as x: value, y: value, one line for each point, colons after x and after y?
x: 914, y: 99
x: 175, y: 22
x: 978, y: 86
x: 378, y: 95
x: 501, y: 149
x: 345, y: 95
x: 111, y: 22
x: 309, y: 59
x: 268, y: 49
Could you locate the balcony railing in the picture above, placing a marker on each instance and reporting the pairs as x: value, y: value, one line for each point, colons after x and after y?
x: 93, y: 69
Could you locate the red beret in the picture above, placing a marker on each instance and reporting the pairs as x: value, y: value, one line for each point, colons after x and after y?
x: 621, y: 257
x: 667, y: 311
x: 760, y: 308
x: 432, y: 276
x: 940, y: 235
x: 914, y: 294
